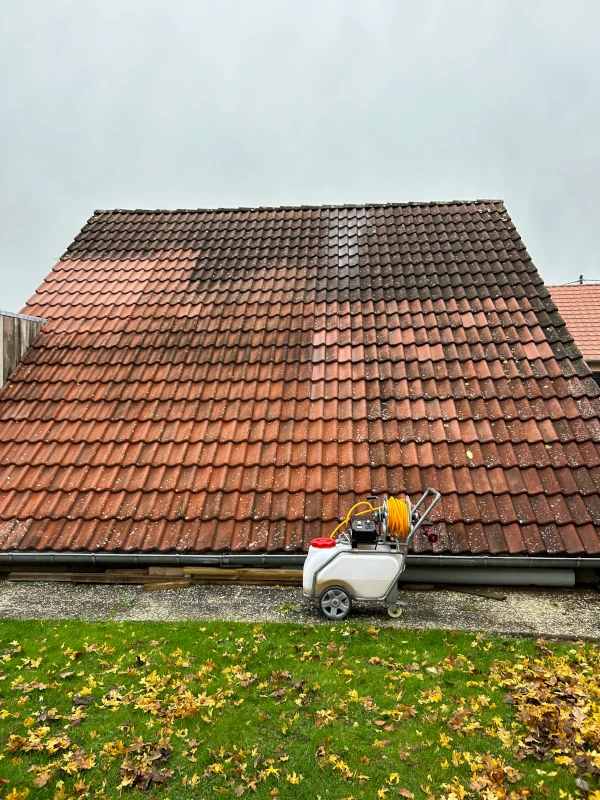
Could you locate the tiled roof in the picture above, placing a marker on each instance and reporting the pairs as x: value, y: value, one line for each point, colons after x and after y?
x: 579, y: 306
x: 235, y: 379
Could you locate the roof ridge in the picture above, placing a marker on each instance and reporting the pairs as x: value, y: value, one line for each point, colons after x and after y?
x: 412, y: 203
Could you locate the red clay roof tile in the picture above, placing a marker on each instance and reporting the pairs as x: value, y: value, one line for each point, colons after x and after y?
x: 228, y: 380
x: 579, y: 306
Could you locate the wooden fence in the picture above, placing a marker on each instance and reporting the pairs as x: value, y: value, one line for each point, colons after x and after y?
x: 17, y: 332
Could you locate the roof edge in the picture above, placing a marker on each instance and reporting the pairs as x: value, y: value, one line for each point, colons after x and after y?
x: 576, y: 285
x: 407, y: 204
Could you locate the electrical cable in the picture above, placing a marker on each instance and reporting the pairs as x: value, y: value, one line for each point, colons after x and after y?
x: 348, y: 515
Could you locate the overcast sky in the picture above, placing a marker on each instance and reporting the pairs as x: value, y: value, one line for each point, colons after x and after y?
x: 144, y: 104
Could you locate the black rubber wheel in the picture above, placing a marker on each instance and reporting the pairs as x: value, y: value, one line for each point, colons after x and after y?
x: 335, y: 603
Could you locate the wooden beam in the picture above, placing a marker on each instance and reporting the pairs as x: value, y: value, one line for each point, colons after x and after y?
x: 239, y: 574
x: 152, y: 587
x: 176, y: 572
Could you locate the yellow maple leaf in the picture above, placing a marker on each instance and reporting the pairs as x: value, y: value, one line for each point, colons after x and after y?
x: 16, y: 794
x: 60, y: 793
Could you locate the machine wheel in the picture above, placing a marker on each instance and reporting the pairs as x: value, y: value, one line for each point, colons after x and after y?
x: 395, y: 614
x: 335, y: 603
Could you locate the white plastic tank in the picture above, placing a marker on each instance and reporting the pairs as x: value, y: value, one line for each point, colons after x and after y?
x: 320, y: 551
x: 366, y: 572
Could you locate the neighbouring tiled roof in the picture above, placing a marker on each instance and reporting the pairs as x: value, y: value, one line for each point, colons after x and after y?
x: 579, y: 306
x: 235, y: 379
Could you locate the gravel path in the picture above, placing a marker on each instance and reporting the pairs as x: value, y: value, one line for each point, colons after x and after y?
x: 544, y: 612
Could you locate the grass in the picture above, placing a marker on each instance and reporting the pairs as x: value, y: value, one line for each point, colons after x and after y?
x: 287, y: 711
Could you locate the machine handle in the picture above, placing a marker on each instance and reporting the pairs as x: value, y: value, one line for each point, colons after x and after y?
x: 436, y: 499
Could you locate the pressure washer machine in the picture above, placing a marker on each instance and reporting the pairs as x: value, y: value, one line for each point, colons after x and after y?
x: 366, y: 554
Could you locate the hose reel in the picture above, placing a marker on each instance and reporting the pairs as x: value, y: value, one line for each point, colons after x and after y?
x: 395, y: 517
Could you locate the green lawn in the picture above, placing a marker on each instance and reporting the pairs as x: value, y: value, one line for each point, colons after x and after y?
x: 290, y: 711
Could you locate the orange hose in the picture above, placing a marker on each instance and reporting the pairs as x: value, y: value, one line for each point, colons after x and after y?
x: 398, y: 517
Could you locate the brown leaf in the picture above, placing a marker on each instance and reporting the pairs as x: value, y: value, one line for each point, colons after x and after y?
x: 405, y: 793
x: 81, y: 701
x: 42, y: 779
x: 15, y: 742
x: 280, y: 675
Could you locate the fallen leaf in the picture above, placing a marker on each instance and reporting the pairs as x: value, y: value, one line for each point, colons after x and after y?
x: 42, y: 779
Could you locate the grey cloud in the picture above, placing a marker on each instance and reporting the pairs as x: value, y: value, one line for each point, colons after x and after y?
x: 149, y: 104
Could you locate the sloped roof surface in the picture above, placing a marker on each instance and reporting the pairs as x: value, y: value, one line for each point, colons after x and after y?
x: 235, y: 379
x: 579, y: 306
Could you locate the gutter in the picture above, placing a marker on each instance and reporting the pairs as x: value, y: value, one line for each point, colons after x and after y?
x: 286, y: 559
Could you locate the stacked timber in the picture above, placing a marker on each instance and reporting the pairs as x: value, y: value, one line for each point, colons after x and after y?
x: 169, y: 577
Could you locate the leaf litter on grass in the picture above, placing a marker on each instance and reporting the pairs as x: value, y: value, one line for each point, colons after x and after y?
x: 294, y: 711
x: 557, y: 700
